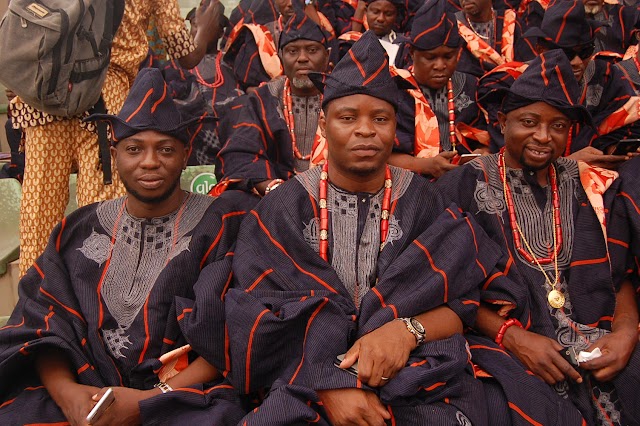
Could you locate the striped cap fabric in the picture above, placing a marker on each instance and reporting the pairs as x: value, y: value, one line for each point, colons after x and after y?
x: 149, y: 106
x: 564, y: 25
x: 260, y: 12
x: 363, y: 70
x: 433, y: 26
x: 399, y: 4
x: 301, y: 27
x: 549, y: 79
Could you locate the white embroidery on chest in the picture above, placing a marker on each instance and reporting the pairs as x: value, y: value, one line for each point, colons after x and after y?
x: 96, y: 247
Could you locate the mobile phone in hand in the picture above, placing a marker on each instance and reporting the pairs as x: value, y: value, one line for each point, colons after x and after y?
x: 353, y: 369
x: 569, y: 354
x: 626, y: 146
x: 102, y: 405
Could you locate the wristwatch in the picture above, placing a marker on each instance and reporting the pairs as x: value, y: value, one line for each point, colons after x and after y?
x: 164, y: 387
x: 416, y: 328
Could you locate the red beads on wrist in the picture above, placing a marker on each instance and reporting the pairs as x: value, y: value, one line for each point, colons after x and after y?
x: 357, y: 21
x: 503, y: 329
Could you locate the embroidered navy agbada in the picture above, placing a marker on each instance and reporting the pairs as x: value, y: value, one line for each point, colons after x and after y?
x: 624, y: 223
x: 291, y: 312
x: 114, y: 293
x: 520, y: 288
x: 258, y: 143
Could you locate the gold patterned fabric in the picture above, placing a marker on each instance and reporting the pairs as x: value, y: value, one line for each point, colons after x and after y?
x: 46, y: 182
x: 54, y: 144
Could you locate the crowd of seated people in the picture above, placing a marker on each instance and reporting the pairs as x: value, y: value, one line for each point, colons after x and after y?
x: 426, y: 213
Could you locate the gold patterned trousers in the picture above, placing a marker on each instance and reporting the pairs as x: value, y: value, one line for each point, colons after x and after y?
x: 51, y: 151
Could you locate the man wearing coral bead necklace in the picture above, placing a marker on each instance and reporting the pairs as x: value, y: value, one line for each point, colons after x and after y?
x: 561, y: 294
x: 354, y: 260
x: 269, y: 135
x: 438, y: 116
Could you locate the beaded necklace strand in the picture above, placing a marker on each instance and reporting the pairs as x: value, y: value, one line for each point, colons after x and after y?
x: 555, y: 298
x: 451, y: 106
x: 287, y: 106
x: 324, y: 214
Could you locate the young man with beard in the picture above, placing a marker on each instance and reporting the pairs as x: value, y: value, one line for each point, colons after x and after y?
x: 112, y: 302
x: 559, y: 295
x: 349, y: 259
x: 438, y: 117
x: 269, y: 135
x: 54, y: 145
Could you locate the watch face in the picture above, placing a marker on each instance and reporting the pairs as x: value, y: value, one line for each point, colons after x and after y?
x: 417, y: 325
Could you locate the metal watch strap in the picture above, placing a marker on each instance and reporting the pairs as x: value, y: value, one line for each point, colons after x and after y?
x: 419, y: 336
x: 163, y: 387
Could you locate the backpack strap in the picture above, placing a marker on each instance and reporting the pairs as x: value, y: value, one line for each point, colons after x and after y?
x: 103, y: 142
x: 113, y: 18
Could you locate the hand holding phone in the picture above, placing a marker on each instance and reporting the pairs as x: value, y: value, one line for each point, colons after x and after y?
x: 101, y: 406
x: 571, y: 356
x: 626, y: 146
x: 353, y: 369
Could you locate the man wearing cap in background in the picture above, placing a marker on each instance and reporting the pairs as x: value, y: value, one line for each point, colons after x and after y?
x: 604, y: 91
x: 438, y: 116
x: 253, y: 46
x: 270, y: 133
x: 250, y: 50
x: 112, y: 302
x: 558, y: 291
x: 630, y: 66
x: 347, y: 258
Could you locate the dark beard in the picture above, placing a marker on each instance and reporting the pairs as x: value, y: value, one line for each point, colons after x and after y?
x: 151, y: 200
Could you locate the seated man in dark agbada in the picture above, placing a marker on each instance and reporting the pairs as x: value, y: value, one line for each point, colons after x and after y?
x: 111, y: 302
x: 270, y: 134
x: 437, y: 118
x: 559, y: 292
x: 361, y: 258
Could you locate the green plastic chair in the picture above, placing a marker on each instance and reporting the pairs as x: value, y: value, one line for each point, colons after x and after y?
x: 73, y: 201
x: 198, y: 179
x: 10, y: 194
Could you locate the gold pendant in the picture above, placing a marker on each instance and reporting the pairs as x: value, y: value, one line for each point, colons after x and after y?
x: 556, y: 299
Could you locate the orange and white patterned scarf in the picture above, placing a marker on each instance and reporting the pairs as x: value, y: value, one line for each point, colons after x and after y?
x: 427, y: 136
x: 482, y: 50
x: 596, y: 181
